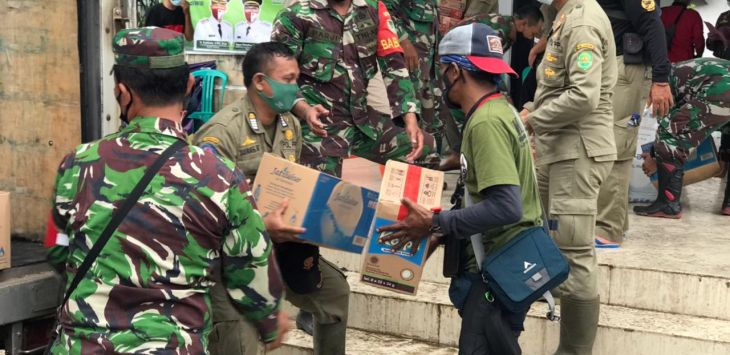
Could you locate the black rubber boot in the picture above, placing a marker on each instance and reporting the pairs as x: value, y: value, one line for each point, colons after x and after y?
x: 305, y: 322
x: 667, y: 204
x: 578, y: 326
x: 330, y: 339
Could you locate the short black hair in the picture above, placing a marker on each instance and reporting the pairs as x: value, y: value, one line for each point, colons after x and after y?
x: 531, y: 13
x: 260, y: 55
x: 484, y: 77
x: 155, y: 87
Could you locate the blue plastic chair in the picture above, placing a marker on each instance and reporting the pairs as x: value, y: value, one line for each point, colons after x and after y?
x: 206, y: 106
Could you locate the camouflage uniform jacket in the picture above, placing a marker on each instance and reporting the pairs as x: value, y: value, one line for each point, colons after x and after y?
x: 701, y: 90
x: 338, y: 56
x: 413, y: 16
x: 148, y: 290
x: 502, y: 24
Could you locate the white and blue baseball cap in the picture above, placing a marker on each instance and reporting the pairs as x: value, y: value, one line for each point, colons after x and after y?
x: 480, y: 44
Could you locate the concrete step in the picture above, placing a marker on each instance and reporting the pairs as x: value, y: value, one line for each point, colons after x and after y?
x: 364, y: 343
x: 673, y: 266
x: 430, y: 317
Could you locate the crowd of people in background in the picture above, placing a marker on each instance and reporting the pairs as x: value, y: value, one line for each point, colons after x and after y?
x: 194, y: 268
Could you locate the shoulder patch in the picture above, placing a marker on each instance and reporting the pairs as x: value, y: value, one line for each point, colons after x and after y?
x: 551, y: 58
x: 210, y: 148
x: 248, y: 142
x: 585, y: 60
x: 549, y: 72
x: 582, y: 46
x: 648, y: 5
x: 211, y: 140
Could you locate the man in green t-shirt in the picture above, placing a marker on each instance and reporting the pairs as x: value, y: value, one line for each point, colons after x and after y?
x: 500, y: 186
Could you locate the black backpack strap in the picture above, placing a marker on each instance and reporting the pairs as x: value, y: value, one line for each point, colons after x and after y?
x: 676, y: 21
x: 119, y: 215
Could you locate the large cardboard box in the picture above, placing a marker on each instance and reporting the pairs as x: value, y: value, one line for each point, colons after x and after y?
x: 363, y: 172
x: 701, y: 164
x: 4, y: 230
x: 335, y: 213
x: 400, y: 271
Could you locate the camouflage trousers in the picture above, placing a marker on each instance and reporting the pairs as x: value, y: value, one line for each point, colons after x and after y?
x: 391, y: 142
x: 690, y: 123
x: 424, y: 78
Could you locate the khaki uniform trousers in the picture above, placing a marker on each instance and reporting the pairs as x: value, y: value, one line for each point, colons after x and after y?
x: 234, y: 335
x: 630, y: 95
x: 569, y: 189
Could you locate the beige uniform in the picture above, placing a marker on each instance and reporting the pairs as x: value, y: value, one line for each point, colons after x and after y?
x: 480, y: 7
x: 572, y: 117
x: 236, y: 133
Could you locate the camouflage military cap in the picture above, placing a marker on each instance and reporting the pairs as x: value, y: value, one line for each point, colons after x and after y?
x: 149, y: 47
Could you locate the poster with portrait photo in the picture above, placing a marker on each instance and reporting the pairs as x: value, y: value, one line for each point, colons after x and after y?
x: 232, y: 26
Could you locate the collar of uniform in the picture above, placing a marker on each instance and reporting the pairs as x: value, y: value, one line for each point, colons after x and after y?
x: 159, y: 125
x: 324, y: 4
x: 250, y: 115
x: 569, y: 5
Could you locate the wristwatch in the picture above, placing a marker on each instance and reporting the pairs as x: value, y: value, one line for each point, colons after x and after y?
x: 435, y: 228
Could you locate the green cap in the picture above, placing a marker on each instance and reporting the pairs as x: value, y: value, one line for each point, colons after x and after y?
x: 149, y: 47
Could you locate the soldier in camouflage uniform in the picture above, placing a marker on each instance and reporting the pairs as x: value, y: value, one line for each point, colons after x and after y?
x: 260, y: 122
x: 527, y: 20
x: 340, y: 45
x: 148, y: 291
x: 701, y: 90
x: 417, y: 23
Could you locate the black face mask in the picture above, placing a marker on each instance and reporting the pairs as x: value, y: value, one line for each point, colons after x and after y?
x: 448, y: 85
x: 123, y: 113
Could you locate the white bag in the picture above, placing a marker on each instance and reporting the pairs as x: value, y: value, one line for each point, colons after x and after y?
x: 640, y: 187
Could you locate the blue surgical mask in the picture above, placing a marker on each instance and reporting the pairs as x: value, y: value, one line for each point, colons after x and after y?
x: 176, y: 2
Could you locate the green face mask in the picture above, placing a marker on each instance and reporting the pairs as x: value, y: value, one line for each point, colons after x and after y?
x: 283, y: 97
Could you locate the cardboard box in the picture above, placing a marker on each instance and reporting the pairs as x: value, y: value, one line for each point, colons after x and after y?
x: 4, y: 230
x: 453, y: 14
x: 701, y: 164
x: 400, y: 271
x: 447, y: 23
x: 363, y: 173
x: 335, y: 213
x: 453, y: 4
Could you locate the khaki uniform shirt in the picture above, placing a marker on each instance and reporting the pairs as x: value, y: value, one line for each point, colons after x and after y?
x: 573, y: 113
x: 236, y: 133
x: 480, y: 7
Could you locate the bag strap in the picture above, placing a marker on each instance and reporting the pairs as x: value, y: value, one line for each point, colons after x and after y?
x: 119, y: 215
x: 479, y: 253
x: 676, y: 21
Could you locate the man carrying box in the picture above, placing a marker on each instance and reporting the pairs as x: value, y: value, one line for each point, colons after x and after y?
x: 701, y: 90
x: 165, y: 213
x: 260, y: 122
x: 498, y: 174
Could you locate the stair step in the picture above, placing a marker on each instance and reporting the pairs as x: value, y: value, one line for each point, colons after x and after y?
x: 674, y: 266
x: 430, y: 317
x: 363, y: 343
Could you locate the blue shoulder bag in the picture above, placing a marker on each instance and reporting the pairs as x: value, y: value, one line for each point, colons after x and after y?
x: 524, y: 269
